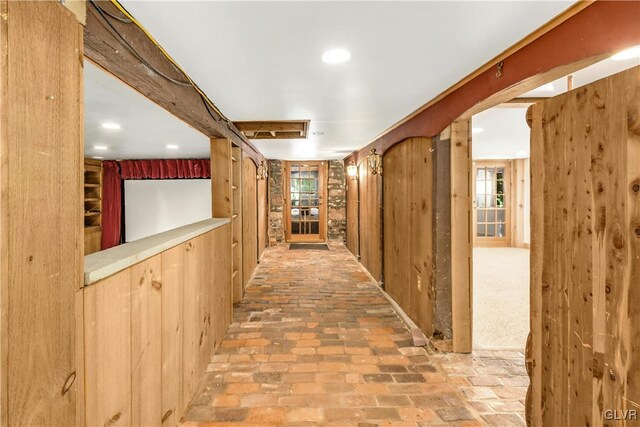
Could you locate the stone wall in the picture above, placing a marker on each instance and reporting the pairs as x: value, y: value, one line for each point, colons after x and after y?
x: 336, y: 201
x: 276, y: 201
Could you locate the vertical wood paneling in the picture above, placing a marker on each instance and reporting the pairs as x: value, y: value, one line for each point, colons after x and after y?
x: 193, y: 277
x: 585, y: 253
x: 461, y: 226
x: 41, y: 241
x: 249, y: 220
x: 370, y: 221
x: 107, y: 314
x: 150, y: 331
x: 237, y: 167
x: 222, y: 290
x: 263, y: 223
x: 146, y: 345
x: 172, y: 330
x: 408, y: 194
x: 352, y: 215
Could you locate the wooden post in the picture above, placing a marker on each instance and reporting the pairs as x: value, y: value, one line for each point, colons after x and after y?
x: 461, y: 248
x: 41, y: 220
x: 221, y: 177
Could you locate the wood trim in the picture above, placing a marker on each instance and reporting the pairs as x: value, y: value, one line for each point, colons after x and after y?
x: 517, y: 202
x: 322, y: 179
x: 107, y: 51
x: 585, y: 34
x: 461, y: 244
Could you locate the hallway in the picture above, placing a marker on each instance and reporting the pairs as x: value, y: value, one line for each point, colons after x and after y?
x: 315, y: 343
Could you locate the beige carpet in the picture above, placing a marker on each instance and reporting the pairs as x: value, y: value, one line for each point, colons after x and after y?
x: 500, y: 298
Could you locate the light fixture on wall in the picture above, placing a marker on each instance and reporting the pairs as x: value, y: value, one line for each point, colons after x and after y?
x: 262, y: 171
x: 375, y: 162
x: 352, y: 170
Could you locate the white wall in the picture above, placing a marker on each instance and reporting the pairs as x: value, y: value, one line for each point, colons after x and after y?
x: 154, y: 206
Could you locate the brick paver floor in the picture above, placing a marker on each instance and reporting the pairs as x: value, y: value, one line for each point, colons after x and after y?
x: 314, y: 342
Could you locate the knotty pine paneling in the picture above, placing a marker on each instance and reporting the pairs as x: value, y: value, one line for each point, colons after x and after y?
x: 585, y: 253
x: 41, y: 225
x: 408, y: 216
x: 150, y: 331
x: 352, y: 215
x: 249, y: 220
x: 370, y: 220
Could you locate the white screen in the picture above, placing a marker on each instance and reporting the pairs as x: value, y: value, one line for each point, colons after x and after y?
x: 154, y: 206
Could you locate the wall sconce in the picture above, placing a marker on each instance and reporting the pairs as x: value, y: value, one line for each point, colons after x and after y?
x: 375, y: 162
x: 352, y: 171
x: 262, y: 171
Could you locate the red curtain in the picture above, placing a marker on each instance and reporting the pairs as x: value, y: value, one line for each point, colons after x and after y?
x: 165, y: 169
x: 111, y: 204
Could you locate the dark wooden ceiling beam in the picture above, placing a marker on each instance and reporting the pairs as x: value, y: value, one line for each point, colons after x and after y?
x: 105, y: 48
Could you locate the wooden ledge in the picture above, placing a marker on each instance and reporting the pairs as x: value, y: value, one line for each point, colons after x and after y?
x: 100, y: 265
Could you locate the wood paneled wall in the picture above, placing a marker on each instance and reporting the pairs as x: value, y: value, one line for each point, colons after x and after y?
x: 585, y: 253
x: 41, y: 201
x: 370, y: 220
x: 263, y: 220
x: 150, y: 330
x: 249, y: 220
x: 408, y: 263
x: 352, y: 215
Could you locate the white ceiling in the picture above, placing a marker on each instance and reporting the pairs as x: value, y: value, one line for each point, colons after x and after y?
x: 261, y: 60
x: 146, y: 129
x: 505, y: 134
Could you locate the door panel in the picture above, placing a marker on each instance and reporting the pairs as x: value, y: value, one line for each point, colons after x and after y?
x: 492, y: 203
x: 585, y: 254
x: 305, y: 213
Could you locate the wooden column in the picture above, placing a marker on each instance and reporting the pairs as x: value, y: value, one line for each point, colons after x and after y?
x: 461, y: 247
x: 41, y: 223
x: 222, y: 190
x: 221, y: 178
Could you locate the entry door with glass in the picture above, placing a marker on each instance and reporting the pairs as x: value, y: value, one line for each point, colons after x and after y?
x: 491, y: 203
x: 305, y: 210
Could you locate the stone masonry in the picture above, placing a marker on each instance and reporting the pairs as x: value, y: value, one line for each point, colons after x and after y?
x: 336, y: 201
x: 276, y: 201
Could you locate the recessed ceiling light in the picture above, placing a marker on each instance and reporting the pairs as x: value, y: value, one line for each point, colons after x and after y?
x: 111, y: 126
x: 632, y: 52
x: 549, y: 87
x: 477, y: 130
x: 172, y: 147
x: 100, y: 147
x: 98, y: 157
x: 336, y: 56
x: 318, y: 133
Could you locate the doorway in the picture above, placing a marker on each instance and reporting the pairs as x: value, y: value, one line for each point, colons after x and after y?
x: 305, y: 211
x: 491, y: 203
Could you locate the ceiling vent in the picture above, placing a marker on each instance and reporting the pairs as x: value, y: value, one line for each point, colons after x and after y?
x: 280, y: 129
